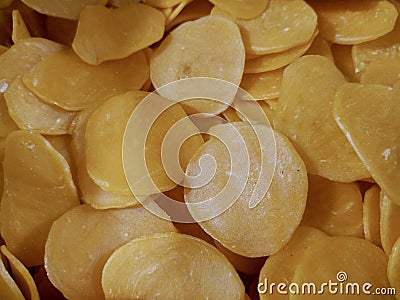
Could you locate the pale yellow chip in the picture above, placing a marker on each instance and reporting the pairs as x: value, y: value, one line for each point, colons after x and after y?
x: 21, y: 275
x: 385, y: 72
x: 104, y: 137
x: 91, y: 193
x: 104, y: 160
x: 65, y: 80
x: 242, y: 10
x: 7, y: 124
x: 30, y: 113
x: 359, y: 262
x: 80, y: 242
x: 196, y: 9
x: 274, y: 61
x: 283, y: 25
x: 158, y: 145
x: 263, y: 86
x: 394, y: 266
x: 163, y: 3
x: 281, y: 266
x: 304, y: 114
x: 20, y: 31
x: 196, y: 49
x: 22, y: 57
x: 334, y: 207
x: 231, y: 186
x: 61, y: 30
x: 38, y: 189
x: 113, y: 33
x: 139, y: 269
x: 343, y: 61
x: 369, y: 117
x: 352, y: 21
x: 61, y: 8
x: 321, y: 47
x: 385, y: 47
x: 91, y: 90
x: 372, y: 215
x: 8, y: 288
x: 389, y: 223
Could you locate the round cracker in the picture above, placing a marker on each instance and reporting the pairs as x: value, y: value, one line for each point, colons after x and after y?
x: 60, y: 8
x: 186, y: 261
x: 368, y: 116
x: 196, y: 49
x: 359, y: 262
x: 351, y: 22
x: 281, y: 266
x: 248, y: 10
x: 283, y: 25
x: 27, y: 110
x: 63, y: 79
x: 80, y: 242
x: 91, y: 193
x: 263, y: 229
x: 21, y: 276
x: 108, y: 34
x: 334, y: 207
x: 38, y: 189
x: 304, y: 114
